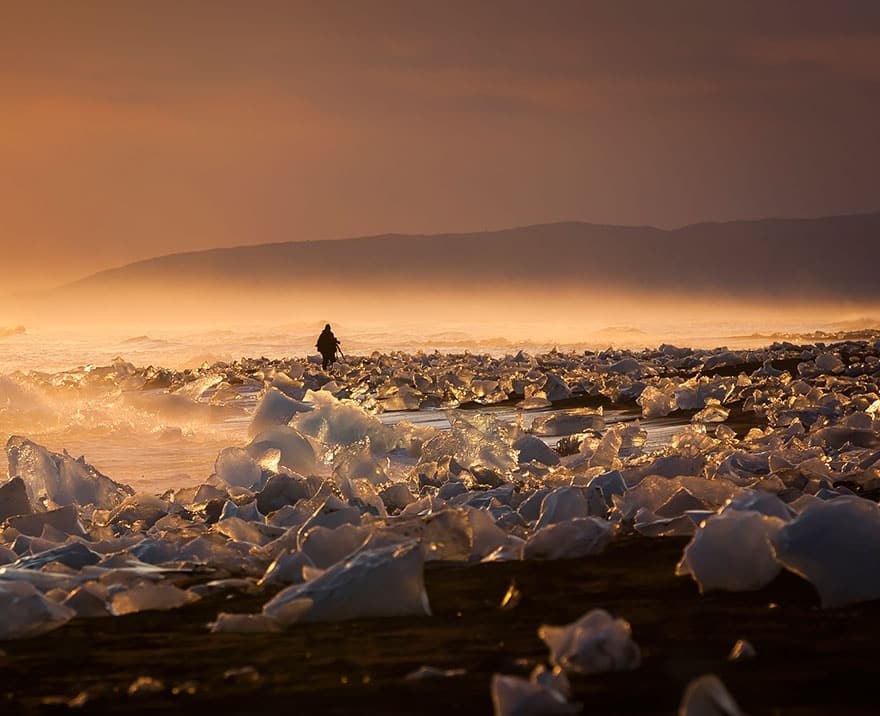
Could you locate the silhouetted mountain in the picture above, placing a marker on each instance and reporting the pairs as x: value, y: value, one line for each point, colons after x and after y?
x: 804, y: 259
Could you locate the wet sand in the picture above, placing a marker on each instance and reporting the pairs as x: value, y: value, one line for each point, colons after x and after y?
x: 809, y: 661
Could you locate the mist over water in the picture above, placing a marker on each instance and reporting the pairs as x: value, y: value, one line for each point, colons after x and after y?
x: 53, y: 387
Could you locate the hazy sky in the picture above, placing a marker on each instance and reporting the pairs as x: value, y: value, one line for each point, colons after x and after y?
x: 130, y: 129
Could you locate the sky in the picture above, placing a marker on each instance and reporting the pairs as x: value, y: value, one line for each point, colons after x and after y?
x: 139, y: 128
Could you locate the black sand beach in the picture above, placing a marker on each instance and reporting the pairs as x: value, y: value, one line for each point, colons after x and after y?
x: 809, y: 661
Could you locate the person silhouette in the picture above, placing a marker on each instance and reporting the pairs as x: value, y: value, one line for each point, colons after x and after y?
x: 326, y: 345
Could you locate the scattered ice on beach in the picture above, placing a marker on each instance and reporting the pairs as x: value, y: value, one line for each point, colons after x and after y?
x: 326, y: 493
x: 595, y: 643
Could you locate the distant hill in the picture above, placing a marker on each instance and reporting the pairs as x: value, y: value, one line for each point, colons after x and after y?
x: 833, y: 258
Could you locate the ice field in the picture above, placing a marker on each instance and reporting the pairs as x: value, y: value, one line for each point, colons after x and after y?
x: 328, y: 497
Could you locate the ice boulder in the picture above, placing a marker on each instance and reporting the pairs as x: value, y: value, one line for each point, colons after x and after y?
x: 237, y: 468
x: 535, y: 696
x: 595, y: 643
x: 275, y: 408
x: 24, y: 612
x: 385, y: 582
x: 56, y: 480
x: 732, y: 551
x: 835, y: 545
x: 571, y: 539
x: 14, y: 499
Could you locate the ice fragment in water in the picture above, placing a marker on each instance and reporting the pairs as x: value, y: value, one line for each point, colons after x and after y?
x: 24, y: 612
x: 733, y: 552
x: 835, y: 545
x: 707, y: 696
x: 383, y: 582
x: 595, y: 643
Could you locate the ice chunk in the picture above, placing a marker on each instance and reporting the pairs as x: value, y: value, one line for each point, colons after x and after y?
x: 336, y: 423
x: 57, y: 480
x: 325, y: 546
x: 432, y: 672
x: 595, y: 643
x: 275, y: 408
x: 14, y: 499
x: 24, y: 612
x: 237, y: 468
x: 64, y: 519
x: 357, y: 461
x: 89, y: 601
x: 74, y: 555
x: 834, y: 545
x: 707, y: 696
x: 515, y: 696
x: 829, y: 363
x: 741, y: 651
x: 569, y: 540
x: 566, y: 422
x: 333, y: 512
x: 383, y: 582
x: 150, y: 596
x: 287, y: 568
x: 244, y: 624
x: 656, y: 403
x: 564, y: 503
x: 712, y: 413
x: 396, y: 496
x: 531, y: 448
x: 732, y: 551
x: 297, y: 452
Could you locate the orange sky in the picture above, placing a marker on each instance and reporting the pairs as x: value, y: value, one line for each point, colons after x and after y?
x: 131, y: 129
